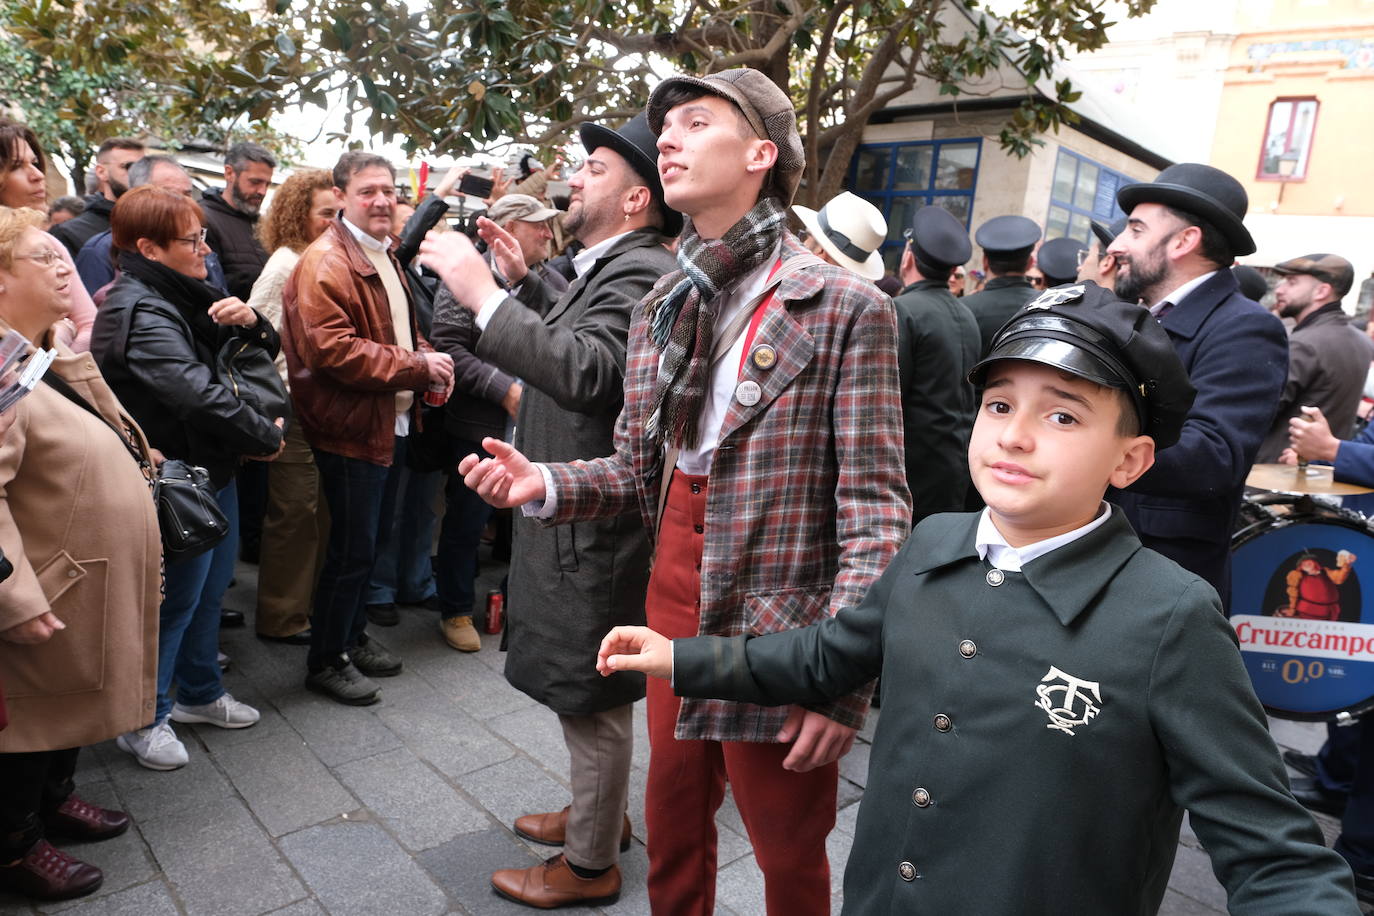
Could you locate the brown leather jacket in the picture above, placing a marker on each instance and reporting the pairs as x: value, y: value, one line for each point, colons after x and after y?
x: 341, y: 353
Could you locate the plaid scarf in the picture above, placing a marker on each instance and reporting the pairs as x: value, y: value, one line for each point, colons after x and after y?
x: 682, y: 322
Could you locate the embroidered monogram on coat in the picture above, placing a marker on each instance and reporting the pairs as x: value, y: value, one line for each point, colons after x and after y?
x: 1069, y: 701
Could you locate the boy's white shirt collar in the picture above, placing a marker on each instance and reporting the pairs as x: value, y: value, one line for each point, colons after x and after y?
x: 993, y: 547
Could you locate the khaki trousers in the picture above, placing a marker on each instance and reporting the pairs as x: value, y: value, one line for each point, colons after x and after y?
x: 601, y: 745
x: 295, y: 527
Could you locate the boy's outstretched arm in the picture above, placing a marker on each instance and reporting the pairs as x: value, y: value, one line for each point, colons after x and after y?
x: 636, y: 649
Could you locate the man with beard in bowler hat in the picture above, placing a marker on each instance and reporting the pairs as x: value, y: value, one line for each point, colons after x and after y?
x: 1182, y: 234
x: 566, y: 583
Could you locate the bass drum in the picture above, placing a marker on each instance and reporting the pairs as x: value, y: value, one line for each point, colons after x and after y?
x: 1300, y: 610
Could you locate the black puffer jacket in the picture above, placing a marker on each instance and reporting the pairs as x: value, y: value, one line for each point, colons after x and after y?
x: 159, y: 360
x: 232, y: 235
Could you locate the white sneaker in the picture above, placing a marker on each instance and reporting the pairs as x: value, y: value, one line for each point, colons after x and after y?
x: 226, y: 712
x: 157, y: 747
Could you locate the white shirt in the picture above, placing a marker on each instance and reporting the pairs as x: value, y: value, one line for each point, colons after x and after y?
x: 403, y: 398
x: 991, y: 546
x: 1179, y: 294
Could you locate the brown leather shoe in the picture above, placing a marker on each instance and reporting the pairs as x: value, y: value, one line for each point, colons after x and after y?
x: 78, y: 819
x: 552, y: 829
x: 48, y: 873
x: 553, y: 884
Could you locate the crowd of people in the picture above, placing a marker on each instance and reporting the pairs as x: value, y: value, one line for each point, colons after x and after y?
x: 710, y: 413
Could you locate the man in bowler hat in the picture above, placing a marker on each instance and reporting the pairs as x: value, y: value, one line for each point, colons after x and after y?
x: 1183, y: 232
x: 569, y: 352
x: 937, y: 345
x: 1008, y: 244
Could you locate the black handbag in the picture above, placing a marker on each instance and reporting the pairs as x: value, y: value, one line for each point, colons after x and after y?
x: 188, y: 515
x: 249, y: 371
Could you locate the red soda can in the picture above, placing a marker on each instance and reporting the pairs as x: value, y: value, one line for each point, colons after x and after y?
x: 436, y: 397
x: 496, y: 603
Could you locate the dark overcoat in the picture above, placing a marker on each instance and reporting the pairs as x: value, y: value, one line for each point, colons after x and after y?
x: 1236, y: 354
x: 937, y: 345
x: 994, y: 306
x: 1042, y: 733
x: 569, y: 585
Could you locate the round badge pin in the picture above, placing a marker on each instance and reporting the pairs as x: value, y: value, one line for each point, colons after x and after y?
x: 748, y: 392
x: 764, y: 356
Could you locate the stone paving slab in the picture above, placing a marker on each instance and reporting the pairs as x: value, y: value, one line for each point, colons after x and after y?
x: 356, y: 869
x: 405, y: 807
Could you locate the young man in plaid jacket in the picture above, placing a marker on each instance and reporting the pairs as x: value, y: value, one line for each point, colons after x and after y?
x: 763, y: 384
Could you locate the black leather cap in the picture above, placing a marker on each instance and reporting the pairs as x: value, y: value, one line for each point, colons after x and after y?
x: 1058, y: 260
x: 938, y: 238
x: 639, y: 146
x: 1007, y: 235
x: 1087, y: 331
x: 1202, y: 191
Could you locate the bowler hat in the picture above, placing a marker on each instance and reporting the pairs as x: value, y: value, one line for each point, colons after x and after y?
x: 851, y: 230
x: 1107, y: 234
x: 639, y: 147
x: 1203, y: 191
x: 1087, y: 331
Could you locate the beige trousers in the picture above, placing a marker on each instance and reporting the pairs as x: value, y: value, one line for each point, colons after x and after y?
x: 600, y: 745
x: 295, y: 528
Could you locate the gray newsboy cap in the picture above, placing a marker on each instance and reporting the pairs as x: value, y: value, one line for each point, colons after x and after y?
x: 767, y: 109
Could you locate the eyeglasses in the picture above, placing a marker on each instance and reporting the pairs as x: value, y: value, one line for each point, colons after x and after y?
x: 47, y: 257
x: 195, y: 241
x: 1082, y: 257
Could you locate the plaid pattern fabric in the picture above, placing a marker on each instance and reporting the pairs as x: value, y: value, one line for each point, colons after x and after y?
x: 808, y: 496
x: 682, y: 322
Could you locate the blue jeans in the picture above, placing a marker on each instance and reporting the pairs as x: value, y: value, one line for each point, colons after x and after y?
x: 188, y: 631
x: 459, y: 539
x: 356, y: 493
x: 402, y: 573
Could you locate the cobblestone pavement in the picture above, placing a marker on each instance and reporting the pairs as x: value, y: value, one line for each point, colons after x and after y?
x: 403, y: 808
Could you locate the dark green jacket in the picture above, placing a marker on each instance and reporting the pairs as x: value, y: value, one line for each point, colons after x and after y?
x: 937, y: 345
x: 976, y: 801
x: 994, y: 306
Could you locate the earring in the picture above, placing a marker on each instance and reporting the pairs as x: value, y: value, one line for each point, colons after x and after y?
x: 627, y: 217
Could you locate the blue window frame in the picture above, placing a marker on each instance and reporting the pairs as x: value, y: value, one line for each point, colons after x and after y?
x: 1082, y: 191
x: 901, y: 178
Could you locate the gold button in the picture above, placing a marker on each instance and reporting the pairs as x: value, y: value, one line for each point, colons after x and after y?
x: 996, y: 577
x: 907, y: 871
x: 943, y: 723
x: 920, y: 798
x: 968, y: 648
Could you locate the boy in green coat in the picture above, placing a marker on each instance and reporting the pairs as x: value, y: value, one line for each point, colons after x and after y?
x: 1054, y: 694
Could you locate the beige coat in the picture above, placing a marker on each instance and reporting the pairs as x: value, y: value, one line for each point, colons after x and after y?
x: 78, y: 523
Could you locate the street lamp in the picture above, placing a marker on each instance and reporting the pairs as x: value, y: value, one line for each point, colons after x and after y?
x: 1288, y: 164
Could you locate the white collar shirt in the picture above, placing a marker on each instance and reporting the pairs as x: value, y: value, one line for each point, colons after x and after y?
x: 991, y: 546
x: 1180, y: 294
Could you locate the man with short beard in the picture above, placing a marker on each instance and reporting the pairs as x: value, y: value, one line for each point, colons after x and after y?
x: 567, y: 585
x: 112, y: 163
x: 1328, y: 359
x: 231, y: 215
x: 1183, y: 231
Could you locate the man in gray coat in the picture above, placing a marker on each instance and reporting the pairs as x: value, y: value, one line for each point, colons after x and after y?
x: 568, y: 583
x: 1328, y: 358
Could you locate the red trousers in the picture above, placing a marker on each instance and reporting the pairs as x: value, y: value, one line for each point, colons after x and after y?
x: 788, y: 815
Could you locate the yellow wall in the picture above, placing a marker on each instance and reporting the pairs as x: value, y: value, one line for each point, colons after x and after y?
x: 1338, y: 71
